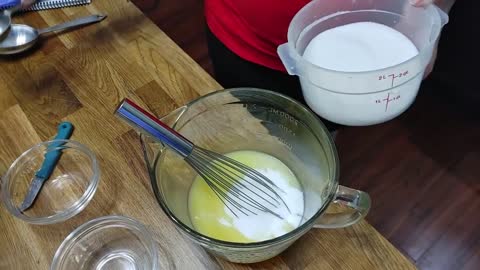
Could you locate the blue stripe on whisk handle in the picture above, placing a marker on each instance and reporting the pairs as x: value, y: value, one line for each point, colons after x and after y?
x: 150, y: 125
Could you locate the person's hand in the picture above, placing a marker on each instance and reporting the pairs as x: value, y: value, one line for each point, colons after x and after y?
x: 27, y: 3
x: 421, y: 3
x: 445, y: 5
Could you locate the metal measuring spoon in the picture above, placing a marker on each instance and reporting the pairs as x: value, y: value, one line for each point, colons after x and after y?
x: 21, y: 37
x: 11, y: 6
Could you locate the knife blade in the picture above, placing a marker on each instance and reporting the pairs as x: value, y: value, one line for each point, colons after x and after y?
x: 65, y: 130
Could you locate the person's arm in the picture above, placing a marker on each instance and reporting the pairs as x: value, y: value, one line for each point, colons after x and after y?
x: 445, y: 5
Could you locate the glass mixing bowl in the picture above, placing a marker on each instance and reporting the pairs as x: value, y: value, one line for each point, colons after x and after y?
x: 263, y: 121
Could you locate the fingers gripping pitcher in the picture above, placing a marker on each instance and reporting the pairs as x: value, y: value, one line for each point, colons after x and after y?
x: 361, y: 62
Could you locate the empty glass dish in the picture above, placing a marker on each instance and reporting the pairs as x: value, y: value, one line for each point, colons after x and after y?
x: 65, y: 193
x: 111, y: 242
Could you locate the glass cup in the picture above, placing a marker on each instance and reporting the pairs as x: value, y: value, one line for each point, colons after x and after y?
x: 66, y: 193
x: 111, y: 242
x: 264, y: 121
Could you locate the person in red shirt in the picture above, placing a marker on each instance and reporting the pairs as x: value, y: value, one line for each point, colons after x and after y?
x: 243, y: 36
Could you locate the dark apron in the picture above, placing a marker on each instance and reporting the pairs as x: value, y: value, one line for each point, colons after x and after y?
x: 456, y: 74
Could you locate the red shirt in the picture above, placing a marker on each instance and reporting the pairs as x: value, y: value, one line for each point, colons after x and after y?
x: 253, y: 29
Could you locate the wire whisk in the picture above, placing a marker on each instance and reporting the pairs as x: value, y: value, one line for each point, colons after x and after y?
x: 243, y: 190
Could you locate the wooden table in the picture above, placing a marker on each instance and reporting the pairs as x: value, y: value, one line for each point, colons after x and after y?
x: 81, y: 76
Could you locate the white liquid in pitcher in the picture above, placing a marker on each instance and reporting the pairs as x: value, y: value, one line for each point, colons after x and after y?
x: 211, y: 217
x: 361, y: 46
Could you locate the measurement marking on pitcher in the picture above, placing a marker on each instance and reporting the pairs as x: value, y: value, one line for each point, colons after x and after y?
x: 387, y: 100
x: 393, y: 76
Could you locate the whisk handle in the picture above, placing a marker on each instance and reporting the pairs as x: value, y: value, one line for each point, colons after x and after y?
x: 150, y: 125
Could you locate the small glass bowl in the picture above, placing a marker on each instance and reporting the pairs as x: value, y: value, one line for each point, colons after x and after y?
x: 111, y: 242
x: 66, y: 193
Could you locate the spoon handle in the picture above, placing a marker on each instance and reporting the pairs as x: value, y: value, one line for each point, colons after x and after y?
x: 71, y: 24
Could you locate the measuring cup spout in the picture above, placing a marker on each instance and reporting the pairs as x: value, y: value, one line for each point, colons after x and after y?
x: 289, y: 59
x: 171, y: 118
x: 438, y: 25
x: 151, y: 148
x: 443, y: 16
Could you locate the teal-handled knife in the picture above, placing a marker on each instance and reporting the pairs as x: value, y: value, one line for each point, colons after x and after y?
x: 65, y: 130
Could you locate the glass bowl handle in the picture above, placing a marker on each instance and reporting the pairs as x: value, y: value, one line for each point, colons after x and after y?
x: 359, y: 203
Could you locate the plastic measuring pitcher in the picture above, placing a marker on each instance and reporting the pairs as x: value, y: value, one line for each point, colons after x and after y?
x: 361, y: 98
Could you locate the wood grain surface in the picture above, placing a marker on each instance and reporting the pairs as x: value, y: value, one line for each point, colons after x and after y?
x: 81, y: 76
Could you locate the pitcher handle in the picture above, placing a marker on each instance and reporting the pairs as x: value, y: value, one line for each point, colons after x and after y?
x: 357, y: 200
